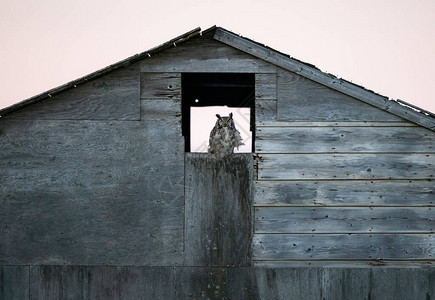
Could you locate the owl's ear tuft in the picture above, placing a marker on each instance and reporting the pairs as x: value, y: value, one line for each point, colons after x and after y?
x: 231, y: 115
x: 218, y: 116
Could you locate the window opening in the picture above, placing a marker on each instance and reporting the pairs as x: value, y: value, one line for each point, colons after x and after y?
x: 206, y: 94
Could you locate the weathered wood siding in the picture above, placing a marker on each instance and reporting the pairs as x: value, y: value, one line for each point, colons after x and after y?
x: 94, y: 189
x: 218, y: 230
x: 99, y: 201
x: 108, y: 282
x: 205, y: 55
x: 114, y: 96
x: 337, y: 179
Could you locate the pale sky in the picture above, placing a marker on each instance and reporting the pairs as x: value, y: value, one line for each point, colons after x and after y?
x: 387, y: 46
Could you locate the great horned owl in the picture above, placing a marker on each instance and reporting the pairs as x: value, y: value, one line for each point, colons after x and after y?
x: 224, y: 137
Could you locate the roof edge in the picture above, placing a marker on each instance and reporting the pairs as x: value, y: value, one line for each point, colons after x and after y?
x: 413, y: 114
x: 123, y: 63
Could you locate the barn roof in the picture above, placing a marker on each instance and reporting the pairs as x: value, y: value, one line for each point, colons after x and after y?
x: 397, y: 107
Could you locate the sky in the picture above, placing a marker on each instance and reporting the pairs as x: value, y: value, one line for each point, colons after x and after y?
x: 384, y: 45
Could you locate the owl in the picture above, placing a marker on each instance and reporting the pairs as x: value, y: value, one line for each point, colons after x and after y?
x: 224, y: 137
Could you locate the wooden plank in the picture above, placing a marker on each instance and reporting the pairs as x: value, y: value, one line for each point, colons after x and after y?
x: 304, y: 100
x: 272, y: 122
x: 343, y: 246
x: 344, y: 139
x: 60, y: 282
x: 265, y: 111
x: 265, y: 86
x: 87, y: 282
x: 92, y: 192
x: 345, y: 283
x: 344, y: 220
x: 344, y: 193
x: 168, y: 112
x: 402, y: 283
x: 114, y: 96
x: 215, y: 283
x: 289, y: 283
x: 132, y: 282
x: 205, y: 55
x: 163, y: 86
x: 218, y: 201
x: 369, y: 264
x: 345, y: 166
x: 14, y: 282
x: 318, y: 76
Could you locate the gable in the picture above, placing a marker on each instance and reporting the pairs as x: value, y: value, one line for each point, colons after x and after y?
x: 205, y: 55
x: 300, y: 99
x: 114, y: 96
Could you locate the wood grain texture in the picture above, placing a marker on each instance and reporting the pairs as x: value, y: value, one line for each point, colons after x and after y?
x: 14, y: 282
x: 300, y: 99
x: 274, y: 282
x: 87, y: 282
x: 289, y: 283
x: 205, y: 55
x: 352, y: 264
x: 215, y: 283
x: 114, y: 96
x: 265, y: 86
x: 344, y: 193
x: 218, y: 197
x: 325, y: 79
x: 344, y: 139
x: 402, y: 283
x: 92, y: 192
x: 343, y: 246
x: 344, y: 220
x: 163, y: 86
x: 346, y: 166
x: 272, y: 122
x: 265, y: 112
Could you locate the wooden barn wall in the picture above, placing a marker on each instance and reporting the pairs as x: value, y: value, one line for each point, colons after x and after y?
x: 92, y: 176
x: 338, y: 180
x: 98, y: 199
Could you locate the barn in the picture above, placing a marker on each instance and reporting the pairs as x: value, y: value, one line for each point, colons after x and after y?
x: 101, y: 196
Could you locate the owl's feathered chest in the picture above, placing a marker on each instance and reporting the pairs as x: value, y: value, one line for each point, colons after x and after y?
x: 223, y: 140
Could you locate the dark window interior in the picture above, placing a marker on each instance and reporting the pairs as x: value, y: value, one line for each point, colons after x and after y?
x: 216, y: 89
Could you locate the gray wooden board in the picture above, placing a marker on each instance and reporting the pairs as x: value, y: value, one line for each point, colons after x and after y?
x: 104, y: 282
x: 272, y: 122
x: 391, y: 284
x: 92, y: 192
x: 302, y: 99
x: 114, y: 96
x: 215, y: 283
x: 218, y: 201
x: 86, y: 282
x: 344, y: 283
x: 343, y: 246
x: 265, y: 111
x: 316, y: 75
x: 354, y: 264
x: 14, y: 282
x: 344, y: 220
x: 289, y: 283
x: 346, y: 166
x: 344, y: 193
x: 168, y: 111
x: 265, y: 86
x: 205, y: 55
x: 163, y: 86
x: 344, y: 139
